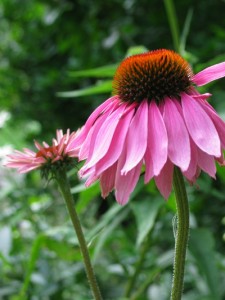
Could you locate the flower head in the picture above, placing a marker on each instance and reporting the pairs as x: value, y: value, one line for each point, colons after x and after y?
x: 156, y: 120
x: 48, y: 158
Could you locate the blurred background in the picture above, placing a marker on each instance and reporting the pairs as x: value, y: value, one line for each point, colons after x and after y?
x: 57, y: 60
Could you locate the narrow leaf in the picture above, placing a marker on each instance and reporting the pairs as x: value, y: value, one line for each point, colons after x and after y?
x: 104, y: 71
x: 145, y: 211
x: 202, y: 247
x: 100, y: 88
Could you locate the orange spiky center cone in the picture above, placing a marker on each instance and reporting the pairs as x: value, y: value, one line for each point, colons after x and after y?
x: 153, y: 76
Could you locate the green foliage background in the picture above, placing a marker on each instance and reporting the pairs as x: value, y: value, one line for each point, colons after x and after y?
x: 48, y: 50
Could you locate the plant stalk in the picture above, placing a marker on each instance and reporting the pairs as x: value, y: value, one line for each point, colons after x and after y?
x: 182, y: 233
x: 173, y: 23
x: 64, y: 185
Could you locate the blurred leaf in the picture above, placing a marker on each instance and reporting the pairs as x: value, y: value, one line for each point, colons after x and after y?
x: 108, y: 230
x: 145, y: 212
x: 63, y: 250
x: 136, y: 50
x: 105, y: 71
x: 185, y: 31
x: 86, y: 196
x: 171, y: 203
x: 100, y: 88
x: 38, y: 242
x: 105, y: 220
x: 6, y: 240
x: 216, y: 60
x: 202, y: 247
x: 220, y: 173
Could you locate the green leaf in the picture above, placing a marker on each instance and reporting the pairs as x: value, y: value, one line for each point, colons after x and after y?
x: 108, y: 231
x: 106, y: 219
x: 136, y: 50
x: 38, y: 242
x: 86, y: 196
x: 202, y: 247
x: 100, y: 88
x: 104, y: 71
x: 63, y: 250
x: 145, y: 211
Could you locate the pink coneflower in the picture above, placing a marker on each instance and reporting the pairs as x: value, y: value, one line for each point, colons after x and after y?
x: 47, y: 158
x: 156, y: 120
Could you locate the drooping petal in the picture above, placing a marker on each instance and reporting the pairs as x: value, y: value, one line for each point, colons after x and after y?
x: 136, y: 138
x: 101, y: 109
x: 107, y: 180
x: 178, y: 138
x: 28, y: 167
x: 157, y: 142
x: 218, y: 122
x: 125, y: 184
x: 209, y: 74
x: 104, y: 136
x: 190, y: 173
x: 149, y: 173
x: 165, y: 179
x: 117, y: 143
x: 91, y: 179
x: 200, y: 126
x: 87, y: 148
x: 207, y: 163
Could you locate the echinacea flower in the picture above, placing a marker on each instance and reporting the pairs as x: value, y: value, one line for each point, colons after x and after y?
x: 156, y: 120
x: 48, y: 158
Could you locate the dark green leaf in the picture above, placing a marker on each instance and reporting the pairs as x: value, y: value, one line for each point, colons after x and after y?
x: 202, y: 247
x: 145, y: 211
x: 100, y: 88
x: 101, y: 72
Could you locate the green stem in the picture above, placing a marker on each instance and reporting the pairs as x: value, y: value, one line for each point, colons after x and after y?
x: 139, y: 293
x: 182, y: 232
x: 172, y: 19
x: 62, y: 180
x: 138, y: 268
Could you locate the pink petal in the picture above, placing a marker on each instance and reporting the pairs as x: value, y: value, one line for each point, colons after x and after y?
x: 136, y: 138
x: 190, y: 173
x: 200, y: 126
x: 201, y: 96
x: 149, y: 173
x: 165, y: 179
x: 104, y: 107
x: 91, y: 179
x: 125, y: 184
x: 156, y: 152
x: 209, y: 74
x: 117, y: 143
x: 207, y: 163
x: 107, y: 180
x: 218, y: 122
x: 28, y: 168
x: 104, y: 136
x: 178, y: 138
x: 87, y: 147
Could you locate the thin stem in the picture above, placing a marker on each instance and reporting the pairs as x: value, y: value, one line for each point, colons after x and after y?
x: 138, y: 267
x: 139, y: 293
x: 182, y: 232
x: 65, y: 190
x: 172, y: 19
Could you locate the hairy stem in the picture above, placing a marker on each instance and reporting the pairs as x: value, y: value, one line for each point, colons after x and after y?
x: 65, y: 190
x: 182, y: 232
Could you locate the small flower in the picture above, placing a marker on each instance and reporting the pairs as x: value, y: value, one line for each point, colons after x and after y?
x: 156, y: 120
x: 48, y: 158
